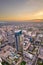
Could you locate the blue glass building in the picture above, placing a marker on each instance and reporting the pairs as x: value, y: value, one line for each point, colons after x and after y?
x: 18, y: 40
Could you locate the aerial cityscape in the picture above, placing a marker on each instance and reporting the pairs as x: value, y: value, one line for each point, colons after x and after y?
x: 21, y: 32
x: 21, y: 43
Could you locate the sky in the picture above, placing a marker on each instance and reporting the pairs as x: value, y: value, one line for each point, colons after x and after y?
x: 20, y: 10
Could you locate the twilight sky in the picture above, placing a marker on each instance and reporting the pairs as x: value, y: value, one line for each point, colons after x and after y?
x: 11, y: 10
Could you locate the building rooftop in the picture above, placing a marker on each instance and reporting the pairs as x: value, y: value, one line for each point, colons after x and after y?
x: 26, y: 46
x: 40, y: 53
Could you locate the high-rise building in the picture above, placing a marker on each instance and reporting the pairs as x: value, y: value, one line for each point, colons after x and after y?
x: 18, y: 40
x: 1, y: 39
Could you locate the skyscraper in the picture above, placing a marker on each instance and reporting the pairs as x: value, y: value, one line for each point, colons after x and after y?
x: 18, y: 40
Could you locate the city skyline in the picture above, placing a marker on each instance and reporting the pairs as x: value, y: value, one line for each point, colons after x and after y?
x: 20, y: 10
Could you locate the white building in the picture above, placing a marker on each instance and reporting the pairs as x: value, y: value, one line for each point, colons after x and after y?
x: 28, y: 55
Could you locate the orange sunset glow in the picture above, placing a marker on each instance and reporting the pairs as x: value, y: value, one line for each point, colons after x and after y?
x: 17, y: 10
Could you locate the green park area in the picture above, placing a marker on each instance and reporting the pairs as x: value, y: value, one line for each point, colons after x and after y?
x: 23, y: 63
x: 40, y: 62
x: 5, y: 63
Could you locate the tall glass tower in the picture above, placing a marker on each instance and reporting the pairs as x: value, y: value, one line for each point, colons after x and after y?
x: 18, y: 40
